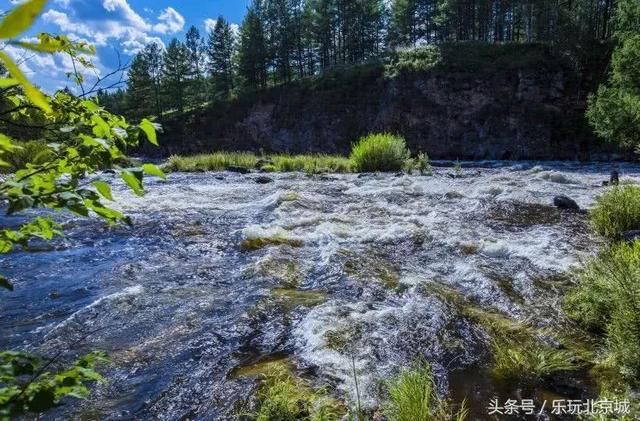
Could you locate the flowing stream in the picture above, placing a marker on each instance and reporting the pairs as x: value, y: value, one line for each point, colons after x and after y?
x: 193, y: 292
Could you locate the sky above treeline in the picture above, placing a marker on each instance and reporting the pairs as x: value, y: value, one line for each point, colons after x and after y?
x: 118, y: 29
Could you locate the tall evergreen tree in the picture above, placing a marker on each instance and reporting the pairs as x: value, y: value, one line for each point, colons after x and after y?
x: 194, y: 48
x: 175, y: 74
x: 220, y: 49
x: 152, y: 54
x: 252, y: 57
x: 140, y: 88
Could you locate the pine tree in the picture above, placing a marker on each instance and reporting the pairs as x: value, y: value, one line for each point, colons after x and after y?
x: 140, y: 92
x: 152, y: 54
x: 220, y: 49
x: 175, y: 75
x: 252, y: 58
x: 194, y: 49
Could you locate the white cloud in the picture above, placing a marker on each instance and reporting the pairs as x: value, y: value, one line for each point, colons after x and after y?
x: 210, y: 24
x: 122, y: 8
x: 120, y: 23
x: 170, y: 22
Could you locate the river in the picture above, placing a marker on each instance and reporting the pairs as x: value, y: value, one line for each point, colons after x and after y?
x: 188, y: 296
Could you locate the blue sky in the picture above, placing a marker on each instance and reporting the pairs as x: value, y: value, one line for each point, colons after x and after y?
x: 115, y: 27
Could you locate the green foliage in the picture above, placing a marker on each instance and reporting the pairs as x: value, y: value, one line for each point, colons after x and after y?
x: 617, y: 211
x: 33, y: 152
x: 413, y: 397
x: 607, y: 299
x: 283, y: 397
x: 84, y: 138
x: 527, y: 360
x: 614, y: 111
x: 418, y: 59
x: 423, y: 164
x: 379, y: 152
x: 27, y: 384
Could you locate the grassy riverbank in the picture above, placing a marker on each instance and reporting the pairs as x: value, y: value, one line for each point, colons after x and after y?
x: 377, y: 152
x: 221, y: 161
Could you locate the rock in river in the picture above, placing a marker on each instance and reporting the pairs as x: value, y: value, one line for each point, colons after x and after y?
x: 563, y: 202
x: 263, y: 180
x: 239, y: 170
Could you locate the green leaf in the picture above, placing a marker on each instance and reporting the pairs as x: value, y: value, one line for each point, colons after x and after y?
x: 104, y: 189
x: 6, y: 82
x: 153, y: 170
x: 133, y: 182
x: 4, y: 283
x: 21, y: 18
x: 31, y: 91
x: 149, y: 130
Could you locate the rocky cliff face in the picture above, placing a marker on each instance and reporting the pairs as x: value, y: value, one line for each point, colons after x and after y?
x: 524, y: 113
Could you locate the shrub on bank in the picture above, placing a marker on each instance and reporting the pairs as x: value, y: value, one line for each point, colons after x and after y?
x: 607, y: 299
x: 413, y: 396
x: 380, y: 152
x: 617, y: 211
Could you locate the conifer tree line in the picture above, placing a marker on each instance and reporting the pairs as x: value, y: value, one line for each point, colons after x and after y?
x: 282, y: 40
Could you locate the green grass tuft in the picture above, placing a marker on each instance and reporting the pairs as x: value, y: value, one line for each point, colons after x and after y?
x: 218, y: 161
x: 380, y: 152
x: 283, y: 397
x: 528, y: 361
x: 413, y: 397
x: 607, y: 300
x: 617, y: 211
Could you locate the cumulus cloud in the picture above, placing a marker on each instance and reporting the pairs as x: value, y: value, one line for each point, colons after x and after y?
x: 113, y: 20
x: 170, y: 22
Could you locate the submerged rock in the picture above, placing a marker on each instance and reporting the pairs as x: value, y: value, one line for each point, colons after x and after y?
x: 564, y: 202
x: 239, y: 170
x: 263, y: 180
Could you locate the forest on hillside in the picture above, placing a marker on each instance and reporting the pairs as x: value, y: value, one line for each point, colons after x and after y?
x: 280, y: 41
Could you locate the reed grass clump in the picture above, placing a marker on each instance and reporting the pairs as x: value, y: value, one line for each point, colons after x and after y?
x: 617, y: 211
x: 607, y: 300
x: 413, y: 397
x: 380, y: 152
x: 217, y: 161
x: 312, y: 164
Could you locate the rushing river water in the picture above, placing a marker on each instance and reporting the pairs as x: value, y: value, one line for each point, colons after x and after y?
x: 185, y: 297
